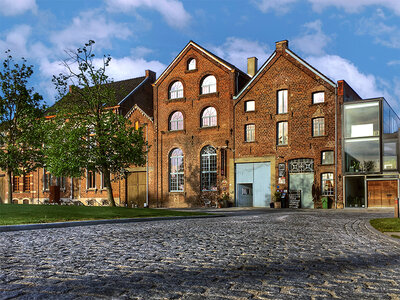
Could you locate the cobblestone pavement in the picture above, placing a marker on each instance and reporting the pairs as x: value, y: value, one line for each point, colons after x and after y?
x: 271, y: 254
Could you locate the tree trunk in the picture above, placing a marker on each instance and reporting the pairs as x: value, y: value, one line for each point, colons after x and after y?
x: 10, y: 187
x: 107, y: 184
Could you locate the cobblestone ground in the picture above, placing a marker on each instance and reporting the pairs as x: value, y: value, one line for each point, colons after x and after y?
x: 262, y: 255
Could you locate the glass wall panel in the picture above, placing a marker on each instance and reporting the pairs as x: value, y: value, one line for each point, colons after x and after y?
x: 361, y: 120
x: 391, y: 121
x: 355, y: 191
x: 390, y: 155
x: 362, y: 155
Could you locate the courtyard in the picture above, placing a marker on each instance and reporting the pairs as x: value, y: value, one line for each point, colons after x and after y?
x: 258, y: 254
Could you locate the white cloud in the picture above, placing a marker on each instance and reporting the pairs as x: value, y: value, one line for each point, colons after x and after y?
x: 172, y: 10
x: 350, y: 6
x: 17, y: 7
x: 355, y: 6
x: 90, y: 26
x: 313, y: 41
x: 16, y: 41
x: 237, y: 50
x: 383, y: 34
x: 337, y: 68
x: 279, y: 6
x: 393, y: 63
x: 141, y: 51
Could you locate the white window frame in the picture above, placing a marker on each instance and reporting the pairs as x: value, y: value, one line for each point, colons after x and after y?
x: 322, y: 157
x: 250, y: 132
x: 208, y: 119
x: 209, y: 85
x: 250, y: 105
x: 318, y: 127
x: 87, y: 180
x: 180, y: 174
x: 192, y: 64
x: 176, y: 90
x: 318, y: 97
x: 324, y: 191
x: 282, y: 101
x: 283, y: 133
x: 174, y: 122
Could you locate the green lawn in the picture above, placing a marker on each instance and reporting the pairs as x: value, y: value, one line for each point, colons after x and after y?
x: 386, y: 224
x: 12, y: 214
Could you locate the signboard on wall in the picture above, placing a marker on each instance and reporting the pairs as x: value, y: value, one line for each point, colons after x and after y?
x: 281, y: 170
x: 294, y: 199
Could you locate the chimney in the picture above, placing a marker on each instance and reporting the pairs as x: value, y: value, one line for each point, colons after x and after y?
x: 151, y: 74
x: 282, y: 45
x: 252, y: 66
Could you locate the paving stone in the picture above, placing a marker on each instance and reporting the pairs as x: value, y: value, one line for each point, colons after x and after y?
x: 264, y: 254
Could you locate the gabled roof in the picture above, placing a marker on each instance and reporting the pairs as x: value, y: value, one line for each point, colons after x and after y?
x: 296, y: 57
x: 136, y: 107
x: 223, y: 62
x: 122, y: 89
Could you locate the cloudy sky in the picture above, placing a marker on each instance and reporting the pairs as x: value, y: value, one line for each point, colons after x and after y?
x: 355, y: 40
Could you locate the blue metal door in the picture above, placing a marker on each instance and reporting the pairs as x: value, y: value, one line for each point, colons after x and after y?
x: 258, y: 177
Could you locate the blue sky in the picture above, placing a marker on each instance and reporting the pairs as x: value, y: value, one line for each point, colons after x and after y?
x: 355, y: 40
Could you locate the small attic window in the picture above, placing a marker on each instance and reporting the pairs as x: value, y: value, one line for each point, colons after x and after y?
x: 191, y: 64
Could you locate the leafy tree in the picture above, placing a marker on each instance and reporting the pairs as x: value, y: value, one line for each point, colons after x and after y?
x: 87, y: 132
x: 21, y: 126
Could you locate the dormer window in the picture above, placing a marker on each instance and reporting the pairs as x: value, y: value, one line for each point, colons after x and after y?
x: 176, y: 90
x: 209, y: 85
x: 191, y: 64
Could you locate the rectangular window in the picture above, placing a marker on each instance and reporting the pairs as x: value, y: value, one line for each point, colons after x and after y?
x: 318, y: 127
x: 46, y: 180
x: 91, y: 180
x: 16, y: 181
x: 250, y: 105
x: 327, y: 184
x: 250, y: 130
x: 102, y: 183
x: 27, y: 183
x: 318, y: 97
x: 282, y: 102
x: 282, y: 138
x: 361, y: 120
x: 327, y: 158
x: 362, y: 155
x: 61, y: 182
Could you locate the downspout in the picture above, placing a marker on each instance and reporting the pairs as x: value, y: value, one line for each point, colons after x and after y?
x: 38, y: 182
x: 234, y: 143
x: 72, y: 189
x: 147, y: 166
x: 336, y: 147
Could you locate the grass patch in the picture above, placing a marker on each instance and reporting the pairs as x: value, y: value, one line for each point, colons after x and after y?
x: 395, y: 236
x: 386, y: 224
x: 13, y: 214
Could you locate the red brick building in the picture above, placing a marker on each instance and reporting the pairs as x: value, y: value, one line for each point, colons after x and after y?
x: 193, y: 115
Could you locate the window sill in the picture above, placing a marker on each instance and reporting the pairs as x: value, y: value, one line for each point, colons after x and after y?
x: 176, y: 100
x: 282, y: 145
x: 216, y: 94
x: 191, y: 71
x: 316, y: 104
x: 176, y: 131
x: 176, y: 192
x: 319, y: 136
x: 327, y: 165
x: 250, y: 142
x: 209, y: 127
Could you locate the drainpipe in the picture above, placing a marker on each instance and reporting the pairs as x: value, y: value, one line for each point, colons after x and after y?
x: 147, y: 165
x: 336, y: 147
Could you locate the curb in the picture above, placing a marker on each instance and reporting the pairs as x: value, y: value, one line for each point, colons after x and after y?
x: 8, y: 228
x: 372, y: 229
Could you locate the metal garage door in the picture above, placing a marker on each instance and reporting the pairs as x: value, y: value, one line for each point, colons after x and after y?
x: 253, y: 184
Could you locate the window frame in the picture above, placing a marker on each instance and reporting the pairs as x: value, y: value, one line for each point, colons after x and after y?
x: 180, y: 174
x: 176, y: 93
x: 278, y: 133
x: 47, y: 179
x: 16, y: 183
x: 26, y: 183
x: 212, y: 119
x: 330, y: 191
x: 208, y: 86
x: 250, y: 133
x: 318, y: 93
x: 317, y: 133
x: 90, y: 181
x: 189, y: 63
x: 177, y: 121
x: 208, y: 169
x: 322, y: 157
x: 282, y: 104
x: 246, y: 109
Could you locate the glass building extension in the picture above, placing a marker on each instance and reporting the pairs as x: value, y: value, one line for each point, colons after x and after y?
x: 370, y: 148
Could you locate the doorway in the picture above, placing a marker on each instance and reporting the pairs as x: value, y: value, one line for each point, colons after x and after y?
x: 382, y: 193
x: 136, y: 189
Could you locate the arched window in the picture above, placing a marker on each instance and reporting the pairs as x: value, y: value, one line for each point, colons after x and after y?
x: 209, y: 117
x: 176, y: 121
x: 176, y: 171
x: 176, y: 90
x: 208, y: 169
x: 191, y: 64
x: 209, y: 85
